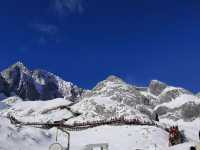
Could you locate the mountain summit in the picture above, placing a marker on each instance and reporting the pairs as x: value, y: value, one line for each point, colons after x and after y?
x: 35, y: 84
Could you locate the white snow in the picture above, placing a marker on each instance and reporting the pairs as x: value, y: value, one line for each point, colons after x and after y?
x: 10, y: 101
x: 118, y: 137
x: 122, y: 138
x: 169, y: 88
x: 179, y: 101
x: 39, y: 111
x: 2, y: 105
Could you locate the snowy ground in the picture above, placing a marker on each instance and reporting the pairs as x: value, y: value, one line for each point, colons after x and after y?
x: 118, y: 137
x: 36, y: 111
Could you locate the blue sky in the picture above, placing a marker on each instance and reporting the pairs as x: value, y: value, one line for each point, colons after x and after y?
x: 84, y: 41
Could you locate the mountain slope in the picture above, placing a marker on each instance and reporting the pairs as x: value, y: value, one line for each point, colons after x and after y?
x: 112, y: 98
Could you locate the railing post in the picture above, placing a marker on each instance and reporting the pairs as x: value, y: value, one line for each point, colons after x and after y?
x: 68, y: 138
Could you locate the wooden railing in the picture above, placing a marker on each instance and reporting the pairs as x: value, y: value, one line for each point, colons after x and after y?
x: 81, y: 125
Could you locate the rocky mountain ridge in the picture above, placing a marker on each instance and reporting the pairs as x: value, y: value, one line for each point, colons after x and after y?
x: 34, y: 85
x: 111, y: 97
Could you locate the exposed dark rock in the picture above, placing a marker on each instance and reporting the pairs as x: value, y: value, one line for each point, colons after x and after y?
x: 4, y: 87
x: 190, y: 111
x: 13, y: 74
x: 156, y: 87
x: 26, y: 89
x: 50, y: 91
x: 76, y: 92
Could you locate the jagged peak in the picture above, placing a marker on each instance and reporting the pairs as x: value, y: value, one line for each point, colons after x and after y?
x: 114, y: 78
x: 110, y: 82
x: 21, y: 66
x: 19, y: 63
x: 155, y: 81
x: 156, y: 87
x: 18, y: 66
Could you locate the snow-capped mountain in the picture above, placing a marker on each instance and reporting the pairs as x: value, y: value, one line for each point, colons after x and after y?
x: 23, y: 93
x: 112, y: 98
x: 34, y: 85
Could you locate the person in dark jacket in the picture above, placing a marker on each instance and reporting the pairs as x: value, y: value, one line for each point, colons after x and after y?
x: 192, y: 148
x: 199, y: 135
x: 157, y: 118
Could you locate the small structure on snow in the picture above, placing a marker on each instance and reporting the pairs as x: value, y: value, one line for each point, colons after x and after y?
x: 56, y: 146
x: 101, y: 146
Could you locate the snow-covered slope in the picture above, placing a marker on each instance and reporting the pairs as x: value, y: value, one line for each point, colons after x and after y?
x: 182, y: 106
x: 112, y: 98
x: 37, y: 111
x: 119, y: 138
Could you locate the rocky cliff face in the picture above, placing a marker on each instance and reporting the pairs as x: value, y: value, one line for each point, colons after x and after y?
x: 156, y: 87
x: 37, y: 84
x: 4, y: 87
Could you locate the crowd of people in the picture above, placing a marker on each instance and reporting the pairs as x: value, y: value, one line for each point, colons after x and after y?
x: 174, y: 135
x: 120, y: 120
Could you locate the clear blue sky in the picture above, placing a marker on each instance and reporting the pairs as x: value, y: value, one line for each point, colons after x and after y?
x: 84, y: 41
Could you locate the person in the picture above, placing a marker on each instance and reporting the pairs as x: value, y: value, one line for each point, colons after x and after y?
x: 199, y: 135
x: 157, y: 118
x: 192, y: 148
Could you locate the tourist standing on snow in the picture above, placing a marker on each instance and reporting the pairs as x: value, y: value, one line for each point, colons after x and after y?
x: 199, y: 135
x: 157, y: 118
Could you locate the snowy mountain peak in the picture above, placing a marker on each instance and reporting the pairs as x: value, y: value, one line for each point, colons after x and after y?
x: 37, y: 84
x: 19, y: 65
x: 113, y: 78
x: 111, y: 83
x: 156, y: 87
x: 157, y: 81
